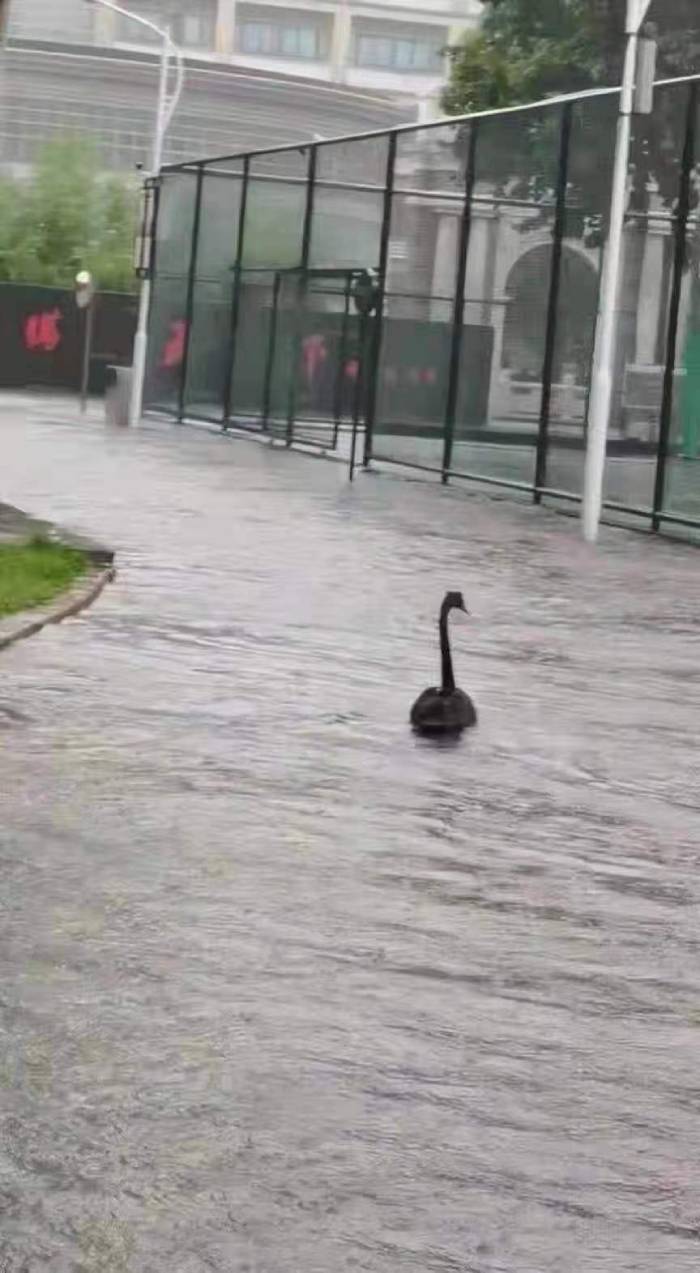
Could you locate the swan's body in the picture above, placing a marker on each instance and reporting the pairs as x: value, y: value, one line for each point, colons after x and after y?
x: 436, y: 712
x: 444, y: 710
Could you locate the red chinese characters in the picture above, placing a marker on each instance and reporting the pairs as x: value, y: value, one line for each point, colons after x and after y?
x: 174, y: 349
x: 41, y: 331
x: 313, y: 355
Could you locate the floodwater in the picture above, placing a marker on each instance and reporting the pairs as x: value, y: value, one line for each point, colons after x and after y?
x: 284, y: 989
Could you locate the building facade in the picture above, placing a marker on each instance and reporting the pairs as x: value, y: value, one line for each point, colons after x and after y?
x: 387, y: 45
x: 258, y: 75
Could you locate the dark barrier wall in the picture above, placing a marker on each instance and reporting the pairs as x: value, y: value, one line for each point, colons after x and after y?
x: 416, y: 354
x: 42, y: 334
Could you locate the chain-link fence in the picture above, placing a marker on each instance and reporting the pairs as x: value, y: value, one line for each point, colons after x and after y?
x: 428, y: 295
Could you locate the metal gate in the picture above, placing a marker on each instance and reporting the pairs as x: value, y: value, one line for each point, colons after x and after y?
x: 303, y: 356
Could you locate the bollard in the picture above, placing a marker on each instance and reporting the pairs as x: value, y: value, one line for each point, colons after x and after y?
x: 118, y: 396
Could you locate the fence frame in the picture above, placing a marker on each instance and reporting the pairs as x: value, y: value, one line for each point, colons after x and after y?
x: 553, y: 301
x: 229, y: 367
x: 682, y: 220
x: 377, y: 328
x: 457, y: 335
x: 656, y: 515
x: 191, y: 285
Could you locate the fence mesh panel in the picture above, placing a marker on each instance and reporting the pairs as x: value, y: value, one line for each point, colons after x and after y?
x: 680, y: 488
x: 588, y: 190
x: 507, y: 295
x: 348, y: 204
x: 329, y: 357
x: 168, y: 318
x: 210, y: 341
x: 254, y: 334
x: 276, y: 201
x: 275, y: 208
x: 414, y: 359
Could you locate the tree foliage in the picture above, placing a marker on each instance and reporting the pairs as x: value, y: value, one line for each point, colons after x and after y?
x: 531, y: 49
x: 528, y: 50
x: 68, y: 216
x: 525, y: 50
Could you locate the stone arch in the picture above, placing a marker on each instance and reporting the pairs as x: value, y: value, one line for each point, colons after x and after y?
x: 527, y: 292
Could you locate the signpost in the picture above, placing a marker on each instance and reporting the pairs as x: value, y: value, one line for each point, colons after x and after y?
x: 85, y: 300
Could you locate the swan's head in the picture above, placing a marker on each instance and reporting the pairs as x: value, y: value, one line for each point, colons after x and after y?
x: 454, y: 601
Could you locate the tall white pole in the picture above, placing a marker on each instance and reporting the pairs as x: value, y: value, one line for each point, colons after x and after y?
x: 607, y: 324
x: 138, y: 370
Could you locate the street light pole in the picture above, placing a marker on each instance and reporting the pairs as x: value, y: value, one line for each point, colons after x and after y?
x: 606, y: 329
x: 167, y: 105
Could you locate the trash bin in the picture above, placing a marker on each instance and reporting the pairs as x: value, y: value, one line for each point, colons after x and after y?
x: 118, y: 395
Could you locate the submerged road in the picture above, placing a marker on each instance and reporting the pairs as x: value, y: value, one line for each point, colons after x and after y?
x: 286, y: 990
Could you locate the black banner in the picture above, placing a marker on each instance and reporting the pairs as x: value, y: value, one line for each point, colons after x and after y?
x: 42, y: 334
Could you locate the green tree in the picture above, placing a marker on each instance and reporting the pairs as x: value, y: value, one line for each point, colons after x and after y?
x: 68, y: 216
x: 525, y: 50
x: 530, y: 49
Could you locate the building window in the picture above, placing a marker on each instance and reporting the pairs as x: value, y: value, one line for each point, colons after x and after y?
x: 192, y: 30
x: 300, y: 42
x: 391, y: 51
x: 281, y: 39
x: 195, y: 30
x: 255, y: 37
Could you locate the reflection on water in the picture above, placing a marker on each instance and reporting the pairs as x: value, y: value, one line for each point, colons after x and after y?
x: 286, y: 988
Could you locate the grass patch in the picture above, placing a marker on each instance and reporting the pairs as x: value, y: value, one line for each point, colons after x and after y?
x: 34, y: 573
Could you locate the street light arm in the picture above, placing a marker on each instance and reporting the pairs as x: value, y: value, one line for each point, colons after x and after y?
x: 179, y: 83
x: 167, y: 104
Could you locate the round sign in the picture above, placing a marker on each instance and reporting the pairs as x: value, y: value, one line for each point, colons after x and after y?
x: 84, y: 288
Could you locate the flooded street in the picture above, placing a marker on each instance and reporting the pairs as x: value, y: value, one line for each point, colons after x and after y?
x: 284, y: 989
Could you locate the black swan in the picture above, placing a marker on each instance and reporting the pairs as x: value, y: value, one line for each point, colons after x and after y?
x: 446, y: 710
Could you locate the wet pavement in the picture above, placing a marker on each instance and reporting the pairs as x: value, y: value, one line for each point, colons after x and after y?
x: 284, y: 989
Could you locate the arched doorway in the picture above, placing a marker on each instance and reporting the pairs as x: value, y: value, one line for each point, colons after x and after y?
x: 526, y: 316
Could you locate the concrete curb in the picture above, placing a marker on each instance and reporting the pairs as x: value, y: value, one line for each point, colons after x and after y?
x: 17, y: 627
x: 17, y: 526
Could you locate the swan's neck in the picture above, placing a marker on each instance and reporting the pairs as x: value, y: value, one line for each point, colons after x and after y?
x: 448, y: 678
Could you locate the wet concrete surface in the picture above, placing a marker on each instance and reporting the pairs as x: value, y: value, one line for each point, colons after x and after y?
x: 285, y: 989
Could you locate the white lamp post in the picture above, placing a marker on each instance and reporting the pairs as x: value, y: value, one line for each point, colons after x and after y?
x: 606, y: 330
x: 167, y: 105
x: 84, y: 296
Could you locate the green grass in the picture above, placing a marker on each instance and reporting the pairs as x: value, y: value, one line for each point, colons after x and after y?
x: 32, y: 574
